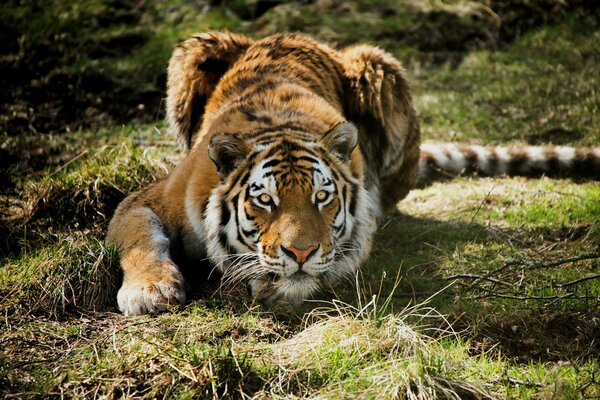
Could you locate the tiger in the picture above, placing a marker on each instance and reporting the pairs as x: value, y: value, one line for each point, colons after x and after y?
x: 293, y: 152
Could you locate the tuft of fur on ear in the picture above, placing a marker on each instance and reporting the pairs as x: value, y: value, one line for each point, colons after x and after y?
x: 226, y: 151
x: 195, y: 68
x: 341, y: 140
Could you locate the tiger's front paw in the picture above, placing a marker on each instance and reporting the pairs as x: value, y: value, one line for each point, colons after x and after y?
x: 151, y: 296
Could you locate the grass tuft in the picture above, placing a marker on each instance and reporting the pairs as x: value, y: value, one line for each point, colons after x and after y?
x: 79, y: 195
x: 87, y: 194
x: 76, y: 272
x: 382, y: 357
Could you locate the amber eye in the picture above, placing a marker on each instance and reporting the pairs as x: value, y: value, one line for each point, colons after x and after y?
x: 265, y: 198
x: 321, y: 195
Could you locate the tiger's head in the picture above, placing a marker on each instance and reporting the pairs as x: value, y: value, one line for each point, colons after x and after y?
x: 290, y: 214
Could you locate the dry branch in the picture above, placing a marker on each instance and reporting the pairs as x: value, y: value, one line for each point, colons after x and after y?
x: 489, y: 282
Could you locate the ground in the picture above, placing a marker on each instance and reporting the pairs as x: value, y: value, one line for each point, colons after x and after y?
x: 476, y: 287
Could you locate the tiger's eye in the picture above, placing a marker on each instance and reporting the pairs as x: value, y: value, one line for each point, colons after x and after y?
x: 265, y: 198
x: 321, y: 195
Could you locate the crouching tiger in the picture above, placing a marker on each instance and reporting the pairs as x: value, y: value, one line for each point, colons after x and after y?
x: 294, y: 150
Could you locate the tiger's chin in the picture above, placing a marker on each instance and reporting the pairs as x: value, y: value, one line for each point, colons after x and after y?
x: 293, y: 289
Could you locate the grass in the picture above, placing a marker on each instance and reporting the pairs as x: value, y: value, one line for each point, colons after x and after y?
x: 477, y: 288
x: 76, y: 272
x: 515, y: 95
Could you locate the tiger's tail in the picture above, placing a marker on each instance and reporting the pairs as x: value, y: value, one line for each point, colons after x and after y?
x: 445, y: 160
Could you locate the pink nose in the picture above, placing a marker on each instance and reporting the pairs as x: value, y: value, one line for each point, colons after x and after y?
x: 300, y: 255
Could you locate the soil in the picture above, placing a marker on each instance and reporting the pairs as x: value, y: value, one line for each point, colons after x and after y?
x: 43, y: 94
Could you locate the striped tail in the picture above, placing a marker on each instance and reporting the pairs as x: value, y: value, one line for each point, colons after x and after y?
x: 441, y: 161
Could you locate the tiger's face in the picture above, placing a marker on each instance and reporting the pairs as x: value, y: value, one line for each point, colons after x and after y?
x: 288, y: 217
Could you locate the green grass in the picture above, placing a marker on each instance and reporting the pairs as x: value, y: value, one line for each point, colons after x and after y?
x: 477, y: 287
x: 542, y: 88
x: 169, y: 24
x: 75, y: 272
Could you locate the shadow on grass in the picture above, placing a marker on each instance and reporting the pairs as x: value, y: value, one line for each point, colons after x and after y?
x: 413, y: 259
x: 412, y: 249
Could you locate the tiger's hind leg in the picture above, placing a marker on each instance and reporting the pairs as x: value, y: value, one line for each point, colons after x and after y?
x: 195, y: 68
x: 379, y: 103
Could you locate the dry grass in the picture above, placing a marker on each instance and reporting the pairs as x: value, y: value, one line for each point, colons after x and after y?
x: 368, y: 353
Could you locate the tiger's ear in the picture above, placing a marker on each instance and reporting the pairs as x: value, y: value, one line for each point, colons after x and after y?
x: 226, y: 151
x: 342, y: 140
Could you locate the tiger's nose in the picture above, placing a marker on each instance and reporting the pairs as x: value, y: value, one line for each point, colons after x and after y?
x: 300, y: 255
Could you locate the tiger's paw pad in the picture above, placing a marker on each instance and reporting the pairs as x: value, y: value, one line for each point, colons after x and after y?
x: 139, y: 299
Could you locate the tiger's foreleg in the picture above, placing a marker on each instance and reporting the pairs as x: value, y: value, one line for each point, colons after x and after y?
x: 151, y: 280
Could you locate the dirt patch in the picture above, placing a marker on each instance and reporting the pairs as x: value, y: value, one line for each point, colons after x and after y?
x: 66, y: 100
x: 45, y: 91
x: 441, y: 33
x: 558, y: 136
x: 521, y: 16
x: 447, y: 35
x: 95, y: 100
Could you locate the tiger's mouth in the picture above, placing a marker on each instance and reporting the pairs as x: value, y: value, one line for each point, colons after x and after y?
x: 299, y: 276
x: 292, y: 289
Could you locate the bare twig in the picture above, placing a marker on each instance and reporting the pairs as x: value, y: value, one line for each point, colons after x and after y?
x: 146, y: 142
x: 65, y: 165
x: 583, y: 388
x: 534, y: 265
x: 479, y: 278
x: 481, y: 204
x: 576, y: 281
x: 522, y: 382
x: 515, y: 297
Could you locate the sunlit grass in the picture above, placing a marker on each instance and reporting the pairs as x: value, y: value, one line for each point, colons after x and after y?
x: 542, y: 88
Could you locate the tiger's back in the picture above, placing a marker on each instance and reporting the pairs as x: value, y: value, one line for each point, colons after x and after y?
x: 290, y: 79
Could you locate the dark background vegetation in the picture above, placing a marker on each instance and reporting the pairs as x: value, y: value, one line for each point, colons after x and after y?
x: 71, y: 65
